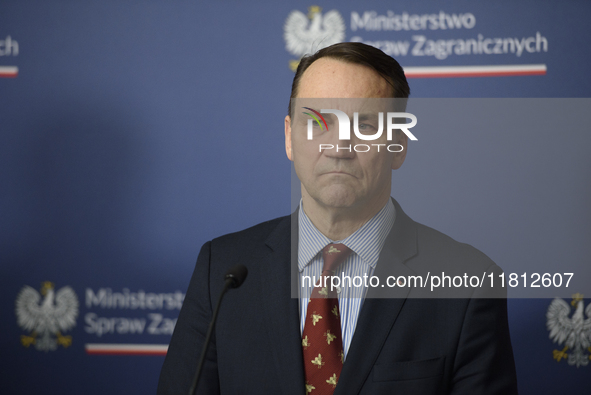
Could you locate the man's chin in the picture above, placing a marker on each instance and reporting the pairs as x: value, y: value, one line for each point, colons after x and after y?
x: 337, y: 198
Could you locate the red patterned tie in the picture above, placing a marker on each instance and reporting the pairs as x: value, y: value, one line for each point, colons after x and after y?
x: 322, y: 341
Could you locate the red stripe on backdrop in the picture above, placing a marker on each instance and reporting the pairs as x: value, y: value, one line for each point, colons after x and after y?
x: 126, y: 349
x: 474, y: 74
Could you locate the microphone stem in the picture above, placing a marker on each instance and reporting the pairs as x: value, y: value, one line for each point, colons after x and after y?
x: 193, y: 388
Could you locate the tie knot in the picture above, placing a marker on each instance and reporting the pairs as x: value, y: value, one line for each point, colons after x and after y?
x: 334, y: 255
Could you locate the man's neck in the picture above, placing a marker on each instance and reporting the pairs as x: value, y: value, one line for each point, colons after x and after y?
x: 339, y: 223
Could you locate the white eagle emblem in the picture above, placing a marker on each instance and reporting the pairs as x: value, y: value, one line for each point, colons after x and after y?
x: 574, y: 332
x: 56, y: 313
x: 307, y: 34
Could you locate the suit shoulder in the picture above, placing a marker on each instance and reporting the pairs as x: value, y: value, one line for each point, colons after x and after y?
x: 254, y: 235
x: 434, y: 243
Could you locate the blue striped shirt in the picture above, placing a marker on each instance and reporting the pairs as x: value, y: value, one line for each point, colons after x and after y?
x: 366, y: 244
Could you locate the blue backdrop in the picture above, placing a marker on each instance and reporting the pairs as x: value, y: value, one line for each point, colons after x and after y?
x: 133, y: 132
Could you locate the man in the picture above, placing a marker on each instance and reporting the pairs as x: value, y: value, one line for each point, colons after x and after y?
x: 399, y: 343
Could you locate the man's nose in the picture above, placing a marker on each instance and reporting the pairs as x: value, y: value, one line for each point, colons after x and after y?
x: 338, y: 149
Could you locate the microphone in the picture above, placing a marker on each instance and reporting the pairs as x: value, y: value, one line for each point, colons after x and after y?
x: 236, y: 275
x: 234, y: 278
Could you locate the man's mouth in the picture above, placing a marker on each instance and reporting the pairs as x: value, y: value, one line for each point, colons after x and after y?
x: 338, y: 172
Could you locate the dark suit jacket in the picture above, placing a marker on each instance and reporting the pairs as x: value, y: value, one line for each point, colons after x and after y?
x: 402, y: 345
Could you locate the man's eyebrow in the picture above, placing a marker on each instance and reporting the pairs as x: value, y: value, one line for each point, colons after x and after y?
x: 366, y: 116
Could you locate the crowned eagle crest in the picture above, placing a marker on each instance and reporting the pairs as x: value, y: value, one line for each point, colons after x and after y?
x: 574, y: 332
x: 56, y: 313
x: 307, y: 34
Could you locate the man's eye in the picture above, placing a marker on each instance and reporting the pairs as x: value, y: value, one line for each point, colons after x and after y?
x: 365, y: 127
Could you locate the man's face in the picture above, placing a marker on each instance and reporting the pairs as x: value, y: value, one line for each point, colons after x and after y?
x: 343, y: 179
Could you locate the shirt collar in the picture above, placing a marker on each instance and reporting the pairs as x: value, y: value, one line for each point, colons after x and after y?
x: 367, y: 241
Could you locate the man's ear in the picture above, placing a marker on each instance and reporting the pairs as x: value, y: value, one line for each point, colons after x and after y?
x: 398, y: 158
x: 288, y: 150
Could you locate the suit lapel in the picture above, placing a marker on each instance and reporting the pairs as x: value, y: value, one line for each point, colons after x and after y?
x: 381, y: 306
x: 282, y: 311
